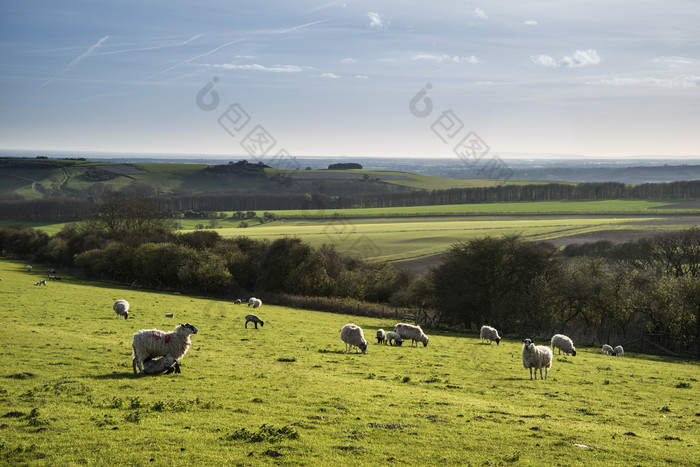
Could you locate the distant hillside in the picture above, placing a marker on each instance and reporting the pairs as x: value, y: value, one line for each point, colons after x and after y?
x: 629, y: 175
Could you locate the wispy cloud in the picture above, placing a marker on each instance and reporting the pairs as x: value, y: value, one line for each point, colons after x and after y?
x: 89, y: 52
x: 674, y: 62
x: 447, y: 58
x: 347, y: 61
x: 530, y: 22
x: 154, y: 47
x: 329, y: 75
x: 361, y: 76
x: 257, y: 67
x: 479, y: 13
x: 578, y: 59
x: 302, y: 26
x: 680, y: 81
x: 376, y: 21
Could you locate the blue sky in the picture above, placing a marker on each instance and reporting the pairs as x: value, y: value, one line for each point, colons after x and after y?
x: 331, y: 78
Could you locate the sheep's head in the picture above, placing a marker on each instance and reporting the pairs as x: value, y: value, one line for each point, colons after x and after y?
x: 425, y: 341
x: 363, y: 347
x: 527, y: 343
x: 187, y: 328
x: 498, y: 341
x: 573, y: 352
x: 262, y: 324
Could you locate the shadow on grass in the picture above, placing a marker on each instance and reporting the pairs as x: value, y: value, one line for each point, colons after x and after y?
x: 333, y: 351
x: 119, y: 376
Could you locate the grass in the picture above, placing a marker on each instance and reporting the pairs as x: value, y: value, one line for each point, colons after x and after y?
x: 289, y: 393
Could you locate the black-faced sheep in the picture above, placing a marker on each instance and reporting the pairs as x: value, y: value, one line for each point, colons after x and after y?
x: 152, y: 343
x: 618, y: 351
x: 393, y: 338
x: 157, y: 366
x: 237, y: 301
x: 381, y: 336
x: 490, y: 334
x: 537, y: 357
x: 29, y: 269
x: 409, y: 331
x: 563, y: 344
x: 607, y: 350
x: 353, y: 336
x: 121, y: 308
x: 253, y: 319
x: 257, y: 303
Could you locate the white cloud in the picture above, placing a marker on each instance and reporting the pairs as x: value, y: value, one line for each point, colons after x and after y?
x: 479, y: 13
x: 674, y: 62
x: 361, y: 76
x: 376, y: 21
x: 446, y: 58
x: 578, y: 59
x: 530, y: 22
x: 484, y: 83
x: 256, y: 67
x: 681, y: 81
x: 329, y: 75
x: 347, y: 61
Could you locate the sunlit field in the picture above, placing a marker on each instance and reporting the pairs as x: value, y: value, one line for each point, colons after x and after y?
x: 288, y: 392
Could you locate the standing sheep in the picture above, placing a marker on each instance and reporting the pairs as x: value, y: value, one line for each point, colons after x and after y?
x: 29, y: 269
x: 121, y: 307
x: 490, y: 334
x: 251, y: 300
x: 537, y: 357
x: 257, y: 303
x: 409, y: 331
x: 607, y: 350
x: 618, y: 351
x: 352, y: 335
x: 393, y: 338
x: 254, y: 319
x: 563, y: 343
x: 156, y: 366
x: 152, y: 343
x: 381, y: 336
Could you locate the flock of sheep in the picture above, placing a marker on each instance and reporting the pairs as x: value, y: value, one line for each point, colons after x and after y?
x: 353, y: 336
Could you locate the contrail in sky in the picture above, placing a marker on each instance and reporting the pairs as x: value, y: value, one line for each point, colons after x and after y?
x: 77, y: 60
x: 179, y: 44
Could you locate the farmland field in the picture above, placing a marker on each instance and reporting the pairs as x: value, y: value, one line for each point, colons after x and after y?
x: 288, y: 392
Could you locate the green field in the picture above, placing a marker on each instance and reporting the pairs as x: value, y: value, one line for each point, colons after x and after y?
x: 288, y: 393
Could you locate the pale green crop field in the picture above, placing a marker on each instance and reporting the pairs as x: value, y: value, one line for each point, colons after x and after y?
x: 288, y: 393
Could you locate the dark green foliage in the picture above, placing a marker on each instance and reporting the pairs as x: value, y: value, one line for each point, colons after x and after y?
x: 266, y: 433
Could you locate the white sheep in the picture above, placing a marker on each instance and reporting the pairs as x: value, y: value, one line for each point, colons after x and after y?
x: 409, y: 331
x: 607, y: 350
x: 254, y: 319
x: 251, y: 300
x: 237, y: 301
x: 490, y: 334
x: 618, y: 351
x: 257, y: 303
x: 156, y: 366
x: 563, y: 343
x: 152, y: 343
x: 381, y: 336
x: 121, y: 307
x: 29, y: 269
x: 537, y: 357
x: 393, y: 338
x: 352, y: 335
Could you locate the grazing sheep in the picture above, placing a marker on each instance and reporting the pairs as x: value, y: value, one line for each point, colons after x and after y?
x: 563, y: 343
x: 352, y: 335
x: 381, y: 336
x: 237, y: 301
x: 618, y: 351
x: 121, y: 307
x: 537, y: 357
x: 251, y: 300
x: 393, y: 338
x: 490, y: 334
x: 151, y: 343
x: 166, y: 364
x: 41, y: 282
x: 607, y: 350
x: 257, y: 303
x: 254, y: 319
x: 29, y: 269
x: 409, y: 331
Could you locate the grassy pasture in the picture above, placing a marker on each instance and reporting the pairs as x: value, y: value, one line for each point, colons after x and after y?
x: 289, y: 393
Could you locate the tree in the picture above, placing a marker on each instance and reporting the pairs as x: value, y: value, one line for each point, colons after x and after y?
x: 117, y: 212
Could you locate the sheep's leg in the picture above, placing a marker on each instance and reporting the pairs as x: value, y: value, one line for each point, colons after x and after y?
x: 256, y: 325
x: 546, y: 372
x: 133, y: 364
x: 531, y: 374
x: 246, y: 324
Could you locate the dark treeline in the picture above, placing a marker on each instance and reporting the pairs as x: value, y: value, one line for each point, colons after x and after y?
x: 63, y: 209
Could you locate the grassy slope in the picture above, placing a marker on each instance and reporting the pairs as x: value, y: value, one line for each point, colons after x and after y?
x: 454, y: 402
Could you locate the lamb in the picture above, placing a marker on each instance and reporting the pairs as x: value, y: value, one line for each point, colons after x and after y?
x: 490, y: 334
x: 607, y: 350
x: 121, y: 307
x: 166, y: 364
x: 537, y: 357
x: 393, y: 338
x: 251, y: 300
x: 562, y: 342
x: 409, y: 331
x: 254, y: 319
x: 381, y: 336
x: 618, y: 351
x: 151, y: 343
x: 237, y: 301
x: 29, y: 269
x: 352, y: 335
x: 257, y: 303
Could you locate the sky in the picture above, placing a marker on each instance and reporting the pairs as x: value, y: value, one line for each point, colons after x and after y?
x: 265, y: 79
